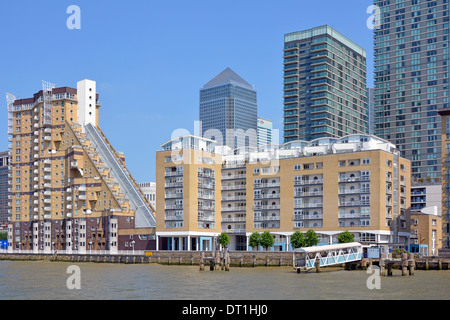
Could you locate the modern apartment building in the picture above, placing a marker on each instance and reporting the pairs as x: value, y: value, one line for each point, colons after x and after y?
x: 424, y: 195
x: 228, y: 110
x: 426, y: 232
x: 149, y: 191
x: 445, y: 138
x: 325, y: 92
x: 265, y: 132
x: 357, y: 183
x: 5, y: 188
x: 411, y: 48
x: 370, y: 110
x: 71, y: 191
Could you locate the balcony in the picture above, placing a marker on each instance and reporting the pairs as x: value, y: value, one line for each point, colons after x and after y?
x: 268, y: 207
x: 308, y: 205
x: 267, y: 218
x: 234, y: 219
x: 308, y: 217
x: 174, y: 217
x: 232, y: 198
x: 307, y: 182
x: 234, y: 208
x: 234, y: 231
x: 234, y: 176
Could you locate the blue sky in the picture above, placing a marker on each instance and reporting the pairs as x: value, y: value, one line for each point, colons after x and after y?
x: 150, y: 58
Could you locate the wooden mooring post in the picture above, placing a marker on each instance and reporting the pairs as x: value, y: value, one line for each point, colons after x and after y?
x: 216, y: 261
x: 406, y: 264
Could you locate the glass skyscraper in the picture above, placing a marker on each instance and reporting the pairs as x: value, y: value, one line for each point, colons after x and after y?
x: 325, y: 91
x: 5, y: 186
x: 228, y: 110
x: 411, y: 80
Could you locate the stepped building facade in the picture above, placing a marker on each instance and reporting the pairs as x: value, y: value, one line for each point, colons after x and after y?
x: 70, y: 190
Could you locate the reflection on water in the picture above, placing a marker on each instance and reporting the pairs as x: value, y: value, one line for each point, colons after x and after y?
x: 47, y: 280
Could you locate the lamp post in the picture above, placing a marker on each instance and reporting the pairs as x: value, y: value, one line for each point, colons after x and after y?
x: 132, y: 245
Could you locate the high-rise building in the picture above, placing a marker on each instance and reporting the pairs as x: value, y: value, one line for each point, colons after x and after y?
x: 71, y: 191
x: 370, y: 111
x: 445, y: 154
x: 265, y: 129
x: 5, y: 187
x: 325, y: 91
x: 357, y: 183
x: 411, y: 79
x: 228, y: 110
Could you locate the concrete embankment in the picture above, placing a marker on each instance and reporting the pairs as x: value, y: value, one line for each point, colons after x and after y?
x: 237, y: 259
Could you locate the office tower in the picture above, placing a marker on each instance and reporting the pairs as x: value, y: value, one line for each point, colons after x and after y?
x: 5, y: 187
x: 325, y: 91
x: 228, y: 110
x: 411, y: 80
x: 370, y: 111
x: 149, y: 191
x: 265, y: 128
x: 356, y: 183
x: 71, y: 191
x: 445, y: 153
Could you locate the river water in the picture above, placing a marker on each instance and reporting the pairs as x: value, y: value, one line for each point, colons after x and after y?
x: 43, y: 280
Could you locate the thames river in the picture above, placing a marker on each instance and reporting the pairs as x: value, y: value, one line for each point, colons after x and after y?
x: 43, y: 280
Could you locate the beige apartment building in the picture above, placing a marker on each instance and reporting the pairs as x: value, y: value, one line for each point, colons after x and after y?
x: 68, y: 183
x: 357, y: 183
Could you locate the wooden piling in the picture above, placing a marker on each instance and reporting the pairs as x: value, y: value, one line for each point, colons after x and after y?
x: 404, y: 264
x: 202, y: 262
x: 382, y: 264
x: 411, y: 264
x: 317, y: 265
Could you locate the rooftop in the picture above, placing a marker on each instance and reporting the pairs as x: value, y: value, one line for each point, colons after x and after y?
x: 309, y: 33
x: 228, y: 76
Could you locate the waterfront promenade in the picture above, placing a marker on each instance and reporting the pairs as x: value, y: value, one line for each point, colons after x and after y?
x: 237, y: 258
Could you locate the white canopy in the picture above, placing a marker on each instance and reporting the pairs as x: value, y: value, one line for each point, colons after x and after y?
x: 328, y: 247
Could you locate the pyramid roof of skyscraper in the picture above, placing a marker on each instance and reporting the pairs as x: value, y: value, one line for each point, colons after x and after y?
x: 226, y: 77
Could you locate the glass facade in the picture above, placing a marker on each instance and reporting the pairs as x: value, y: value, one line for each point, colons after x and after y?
x: 228, y: 111
x: 4, y: 186
x: 411, y: 80
x: 325, y: 92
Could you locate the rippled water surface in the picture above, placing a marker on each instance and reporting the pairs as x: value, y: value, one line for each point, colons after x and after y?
x: 47, y: 281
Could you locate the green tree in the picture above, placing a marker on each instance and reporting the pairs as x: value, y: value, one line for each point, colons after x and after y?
x: 3, y: 236
x: 267, y: 240
x: 298, y: 240
x: 346, y: 237
x: 312, y: 239
x: 255, y: 240
x: 223, y: 239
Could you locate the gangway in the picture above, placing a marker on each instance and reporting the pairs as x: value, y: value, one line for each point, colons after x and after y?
x: 328, y: 255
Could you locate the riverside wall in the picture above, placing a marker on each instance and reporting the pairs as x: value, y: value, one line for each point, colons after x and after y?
x: 237, y: 259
